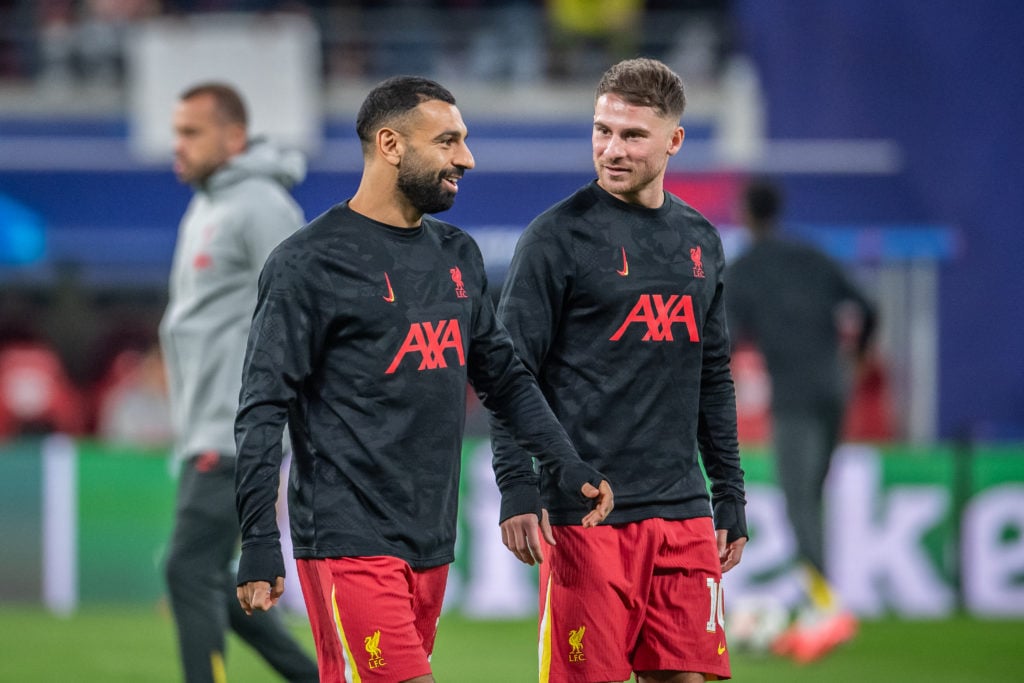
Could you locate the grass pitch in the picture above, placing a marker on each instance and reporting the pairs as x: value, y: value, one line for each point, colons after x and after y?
x: 137, y: 645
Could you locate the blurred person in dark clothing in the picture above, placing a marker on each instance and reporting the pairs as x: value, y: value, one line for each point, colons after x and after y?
x: 798, y: 307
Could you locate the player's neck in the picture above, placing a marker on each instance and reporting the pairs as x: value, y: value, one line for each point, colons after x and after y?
x: 384, y: 205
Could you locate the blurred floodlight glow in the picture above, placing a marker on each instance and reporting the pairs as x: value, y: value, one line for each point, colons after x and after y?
x: 22, y: 238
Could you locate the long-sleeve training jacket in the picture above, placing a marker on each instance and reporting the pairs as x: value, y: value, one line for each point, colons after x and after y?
x: 617, y: 309
x: 364, y: 338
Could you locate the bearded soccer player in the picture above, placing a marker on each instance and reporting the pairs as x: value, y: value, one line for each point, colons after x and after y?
x: 614, y: 302
x: 369, y: 322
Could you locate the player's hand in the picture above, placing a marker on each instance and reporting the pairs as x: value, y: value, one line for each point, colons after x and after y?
x: 604, y: 501
x: 521, y: 535
x: 729, y: 554
x: 259, y: 595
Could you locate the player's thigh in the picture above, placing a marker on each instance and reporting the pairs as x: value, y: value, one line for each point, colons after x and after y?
x: 373, y: 618
x: 592, y: 589
x: 682, y: 629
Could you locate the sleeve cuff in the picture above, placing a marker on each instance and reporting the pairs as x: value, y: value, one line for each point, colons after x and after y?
x: 260, y: 563
x: 574, y: 476
x: 732, y: 516
x: 519, y: 500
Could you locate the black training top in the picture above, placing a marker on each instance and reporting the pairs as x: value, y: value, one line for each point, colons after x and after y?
x: 617, y: 309
x: 363, y: 340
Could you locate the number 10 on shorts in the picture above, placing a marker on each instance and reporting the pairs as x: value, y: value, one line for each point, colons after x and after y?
x: 716, y: 613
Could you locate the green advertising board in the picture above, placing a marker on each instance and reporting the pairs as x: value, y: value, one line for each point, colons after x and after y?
x: 910, y: 531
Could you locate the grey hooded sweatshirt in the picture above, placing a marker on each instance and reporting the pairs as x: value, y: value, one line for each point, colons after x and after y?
x: 235, y: 219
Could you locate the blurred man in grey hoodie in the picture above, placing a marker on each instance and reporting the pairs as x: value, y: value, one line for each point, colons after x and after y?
x: 240, y: 211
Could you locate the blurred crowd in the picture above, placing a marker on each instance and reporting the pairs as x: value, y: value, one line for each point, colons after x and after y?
x: 82, y: 364
x: 62, y: 42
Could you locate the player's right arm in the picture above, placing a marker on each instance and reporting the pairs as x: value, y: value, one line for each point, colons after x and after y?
x: 278, y: 358
x: 529, y: 308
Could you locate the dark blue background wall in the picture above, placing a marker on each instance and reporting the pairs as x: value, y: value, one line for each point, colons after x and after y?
x: 944, y: 79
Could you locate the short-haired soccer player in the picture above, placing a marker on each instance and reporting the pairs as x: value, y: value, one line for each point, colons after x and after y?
x: 614, y: 302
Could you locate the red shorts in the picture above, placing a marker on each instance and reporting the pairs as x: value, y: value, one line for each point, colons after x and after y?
x: 643, y: 596
x: 373, y: 618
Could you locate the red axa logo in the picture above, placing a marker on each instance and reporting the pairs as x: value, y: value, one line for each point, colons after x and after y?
x: 659, y: 313
x: 430, y: 341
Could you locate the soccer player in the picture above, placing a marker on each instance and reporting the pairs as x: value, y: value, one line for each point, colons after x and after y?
x: 614, y: 302
x: 241, y: 210
x: 370, y: 321
x: 800, y: 330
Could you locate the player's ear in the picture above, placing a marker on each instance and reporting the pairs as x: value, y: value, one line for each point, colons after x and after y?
x: 390, y: 145
x: 676, y: 141
x: 236, y: 137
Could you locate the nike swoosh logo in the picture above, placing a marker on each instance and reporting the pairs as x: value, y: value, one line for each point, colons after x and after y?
x: 390, y: 298
x: 721, y: 648
x: 625, y: 264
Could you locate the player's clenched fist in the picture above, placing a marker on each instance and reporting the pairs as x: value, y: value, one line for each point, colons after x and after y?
x: 259, y: 595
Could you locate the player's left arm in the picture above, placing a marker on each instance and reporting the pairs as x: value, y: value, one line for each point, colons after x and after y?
x: 285, y: 336
x: 717, y: 435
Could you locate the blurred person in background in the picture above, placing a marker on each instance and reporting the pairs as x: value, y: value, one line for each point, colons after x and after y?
x: 240, y: 211
x: 800, y: 310
x: 369, y: 323
x: 614, y: 302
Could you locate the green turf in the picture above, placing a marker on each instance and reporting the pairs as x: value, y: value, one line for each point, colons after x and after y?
x: 137, y: 645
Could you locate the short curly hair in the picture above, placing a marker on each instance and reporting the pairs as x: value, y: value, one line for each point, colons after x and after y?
x: 394, y: 98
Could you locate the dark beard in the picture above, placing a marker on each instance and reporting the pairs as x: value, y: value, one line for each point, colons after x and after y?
x: 424, y: 191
